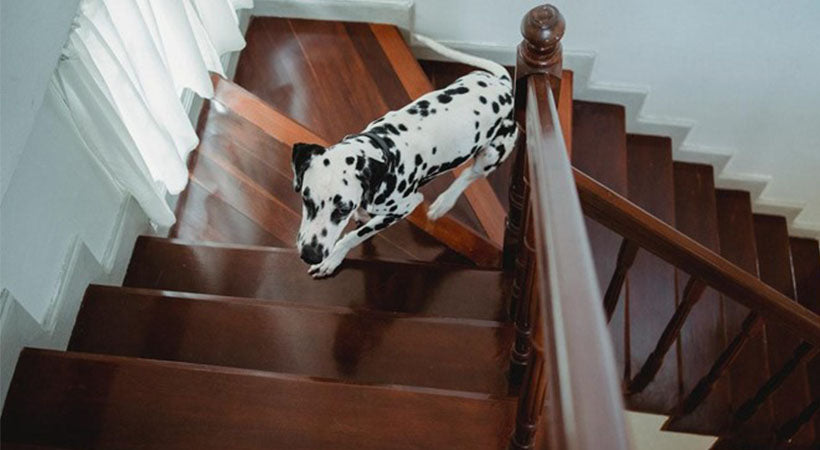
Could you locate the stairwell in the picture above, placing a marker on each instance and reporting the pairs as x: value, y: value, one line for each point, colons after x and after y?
x: 219, y: 338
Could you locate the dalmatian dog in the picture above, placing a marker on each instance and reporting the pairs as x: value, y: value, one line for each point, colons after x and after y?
x: 373, y: 177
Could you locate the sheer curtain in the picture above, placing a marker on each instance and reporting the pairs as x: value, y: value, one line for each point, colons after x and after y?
x: 123, y: 70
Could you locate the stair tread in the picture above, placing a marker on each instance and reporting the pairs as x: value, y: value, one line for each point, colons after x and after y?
x: 336, y: 343
x: 241, y: 193
x: 806, y: 264
x: 651, y: 281
x: 701, y: 340
x: 774, y: 257
x: 349, y: 69
x: 82, y: 400
x: 599, y: 150
x: 244, y: 271
x: 750, y: 368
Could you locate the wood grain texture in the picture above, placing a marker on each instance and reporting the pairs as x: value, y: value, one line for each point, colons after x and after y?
x: 738, y: 245
x: 599, y: 150
x: 276, y: 274
x: 336, y: 343
x: 373, y: 72
x: 75, y: 400
x: 630, y: 221
x: 702, y: 338
x: 651, y: 281
x: 806, y: 265
x: 774, y: 258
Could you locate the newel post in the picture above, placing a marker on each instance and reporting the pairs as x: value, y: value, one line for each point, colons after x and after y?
x: 539, y: 52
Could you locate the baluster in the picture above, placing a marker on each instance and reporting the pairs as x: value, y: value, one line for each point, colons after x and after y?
x: 534, y: 388
x: 691, y: 294
x: 790, y: 428
x: 751, y: 325
x: 802, y: 352
x: 524, y: 315
x: 626, y: 257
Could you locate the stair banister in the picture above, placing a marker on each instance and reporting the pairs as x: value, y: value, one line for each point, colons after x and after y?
x: 571, y: 364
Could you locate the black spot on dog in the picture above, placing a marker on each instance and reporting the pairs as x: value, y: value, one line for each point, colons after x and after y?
x: 310, y: 208
x: 477, y: 137
x: 326, y: 162
x: 402, y: 127
x: 476, y: 124
x: 350, y: 160
x: 434, y: 150
x: 394, y: 208
x: 418, y: 160
x: 359, y: 163
x: 402, y: 185
x: 457, y: 91
x: 391, y: 129
x: 363, y: 230
x: 482, y: 84
x: 482, y: 99
x: 476, y: 112
x: 344, y: 181
x: 433, y: 111
x: 495, y: 107
x: 412, y: 111
x: 401, y: 169
x: 324, y: 232
x: 444, y: 98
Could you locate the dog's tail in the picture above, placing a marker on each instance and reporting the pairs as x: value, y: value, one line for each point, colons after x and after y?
x: 490, y: 66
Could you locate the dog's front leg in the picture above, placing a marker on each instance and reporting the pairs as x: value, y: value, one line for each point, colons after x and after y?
x: 361, y: 234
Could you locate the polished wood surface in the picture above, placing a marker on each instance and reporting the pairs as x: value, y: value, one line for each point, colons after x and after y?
x: 336, y: 343
x: 599, y: 150
x: 806, y: 266
x: 114, y: 402
x: 373, y: 72
x: 278, y: 274
x: 651, y: 281
x: 621, y: 215
x: 774, y: 258
x: 702, y: 337
x: 750, y: 367
x: 583, y: 379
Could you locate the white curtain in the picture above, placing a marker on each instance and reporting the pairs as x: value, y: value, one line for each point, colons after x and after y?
x: 123, y: 70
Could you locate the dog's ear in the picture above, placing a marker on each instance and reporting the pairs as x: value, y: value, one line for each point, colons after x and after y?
x: 300, y: 160
x: 371, y: 174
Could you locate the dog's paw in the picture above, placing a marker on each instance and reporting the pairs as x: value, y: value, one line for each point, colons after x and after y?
x: 439, y: 208
x: 325, y: 268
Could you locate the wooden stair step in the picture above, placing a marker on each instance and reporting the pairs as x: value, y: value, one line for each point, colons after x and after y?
x: 750, y: 368
x: 701, y: 339
x: 338, y: 343
x: 79, y: 400
x: 599, y: 150
x: 774, y: 257
x: 279, y: 274
x: 241, y: 192
x: 651, y: 281
x: 336, y: 78
x: 806, y: 265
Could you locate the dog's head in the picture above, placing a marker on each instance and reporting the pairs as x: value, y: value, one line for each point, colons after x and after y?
x: 332, y: 185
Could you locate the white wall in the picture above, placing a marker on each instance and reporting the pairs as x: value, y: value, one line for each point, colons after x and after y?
x: 742, y: 74
x: 32, y: 32
x: 63, y: 222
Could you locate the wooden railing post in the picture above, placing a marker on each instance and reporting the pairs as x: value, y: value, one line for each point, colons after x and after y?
x: 539, y: 52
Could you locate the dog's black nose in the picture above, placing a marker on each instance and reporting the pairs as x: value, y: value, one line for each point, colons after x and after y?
x: 311, y: 254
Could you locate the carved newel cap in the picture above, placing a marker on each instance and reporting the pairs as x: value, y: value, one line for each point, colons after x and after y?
x: 543, y: 28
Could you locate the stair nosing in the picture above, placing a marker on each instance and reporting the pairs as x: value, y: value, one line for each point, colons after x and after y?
x: 285, y: 304
x: 343, y: 384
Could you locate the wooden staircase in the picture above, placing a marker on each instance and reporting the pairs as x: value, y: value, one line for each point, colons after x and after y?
x: 219, y: 338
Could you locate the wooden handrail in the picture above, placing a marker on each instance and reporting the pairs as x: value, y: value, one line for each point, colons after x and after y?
x: 580, y: 355
x: 633, y: 223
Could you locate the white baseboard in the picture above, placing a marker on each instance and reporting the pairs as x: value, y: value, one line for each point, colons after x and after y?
x: 394, y: 12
